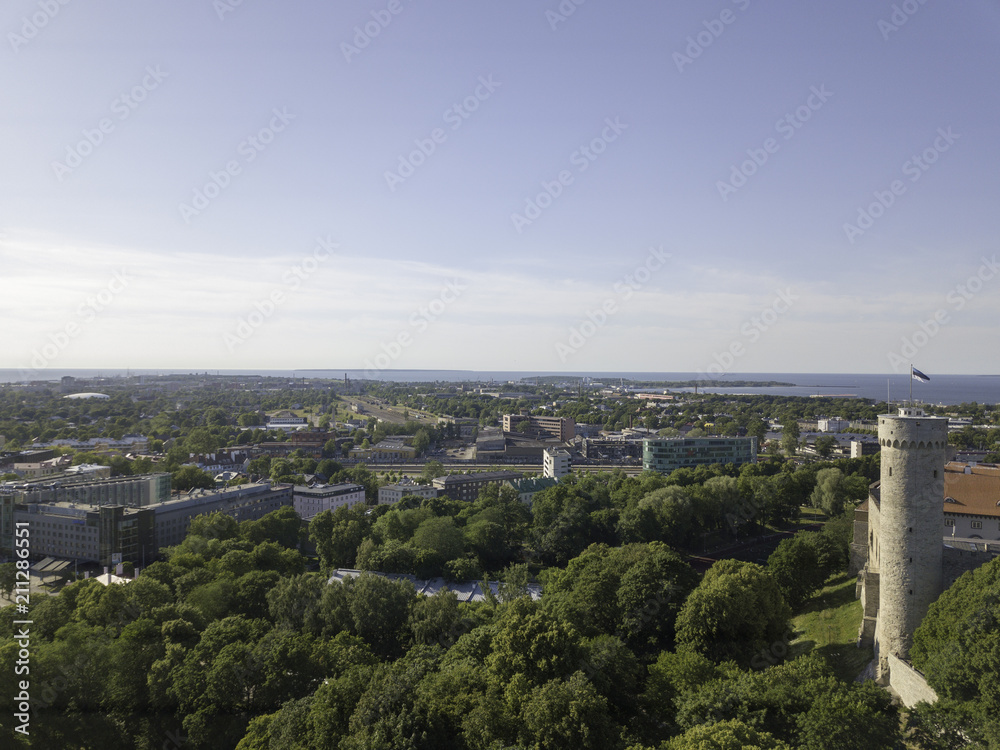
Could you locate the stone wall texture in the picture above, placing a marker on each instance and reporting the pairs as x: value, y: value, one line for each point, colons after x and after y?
x: 909, y: 684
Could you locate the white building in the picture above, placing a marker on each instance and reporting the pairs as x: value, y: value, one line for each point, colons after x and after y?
x: 555, y: 463
x: 832, y: 424
x: 308, y: 501
x: 393, y: 493
x: 861, y: 448
x: 286, y: 423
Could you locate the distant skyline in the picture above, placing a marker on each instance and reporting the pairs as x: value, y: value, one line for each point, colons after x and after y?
x: 732, y: 187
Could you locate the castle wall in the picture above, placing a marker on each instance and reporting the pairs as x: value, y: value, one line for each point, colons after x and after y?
x: 909, y: 684
x: 859, y: 545
x: 958, y: 561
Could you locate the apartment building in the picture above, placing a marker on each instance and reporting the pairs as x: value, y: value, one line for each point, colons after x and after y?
x: 308, y: 501
x: 467, y: 486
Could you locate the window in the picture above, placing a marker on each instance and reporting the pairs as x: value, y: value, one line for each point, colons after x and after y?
x: 977, y: 524
x: 949, y: 522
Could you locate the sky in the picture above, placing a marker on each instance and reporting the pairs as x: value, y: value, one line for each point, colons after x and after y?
x: 724, y: 187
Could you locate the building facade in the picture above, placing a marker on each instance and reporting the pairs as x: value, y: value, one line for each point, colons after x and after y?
x: 528, y: 487
x: 560, y: 428
x: 393, y: 493
x: 87, y: 532
x: 861, y: 448
x: 136, y: 491
x: 555, y: 463
x: 387, y: 451
x: 308, y: 501
x: 467, y: 486
x: 667, y: 454
x: 611, y: 449
x: 286, y: 420
x: 832, y: 424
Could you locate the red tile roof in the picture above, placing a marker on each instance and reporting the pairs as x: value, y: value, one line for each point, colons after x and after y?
x: 974, y: 493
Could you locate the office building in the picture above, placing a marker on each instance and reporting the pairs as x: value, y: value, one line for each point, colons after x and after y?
x: 667, y: 454
x: 559, y: 428
x: 87, y: 532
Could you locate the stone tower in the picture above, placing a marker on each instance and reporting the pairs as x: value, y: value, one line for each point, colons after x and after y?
x: 911, y: 524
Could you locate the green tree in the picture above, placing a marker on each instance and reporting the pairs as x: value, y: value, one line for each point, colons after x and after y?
x: 824, y: 445
x: 736, y: 612
x: 380, y: 610
x: 726, y: 735
x: 338, y: 535
x: 432, y: 470
x: 799, y: 702
x: 790, y: 435
x: 532, y: 643
x: 796, y: 567
x: 249, y: 419
x: 294, y: 601
x: 8, y: 578
x: 191, y: 477
x: 439, y: 535
x: 834, y: 490
x: 422, y: 440
x: 282, y: 526
x: 567, y: 715
x: 957, y: 643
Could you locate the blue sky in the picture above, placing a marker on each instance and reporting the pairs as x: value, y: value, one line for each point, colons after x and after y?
x: 644, y: 186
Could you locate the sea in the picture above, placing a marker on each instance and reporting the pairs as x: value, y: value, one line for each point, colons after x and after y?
x: 940, y: 389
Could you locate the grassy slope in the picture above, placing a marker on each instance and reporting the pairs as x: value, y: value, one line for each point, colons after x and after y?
x: 829, y: 623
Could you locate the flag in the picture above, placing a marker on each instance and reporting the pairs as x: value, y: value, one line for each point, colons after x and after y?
x: 917, y: 375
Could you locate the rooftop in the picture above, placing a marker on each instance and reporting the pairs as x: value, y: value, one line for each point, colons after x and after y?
x: 972, y: 489
x: 468, y: 591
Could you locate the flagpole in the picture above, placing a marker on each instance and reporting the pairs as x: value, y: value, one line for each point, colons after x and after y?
x: 911, y: 384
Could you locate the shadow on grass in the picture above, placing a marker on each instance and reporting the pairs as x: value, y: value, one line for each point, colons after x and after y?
x: 837, y: 595
x: 846, y: 661
x: 828, y: 624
